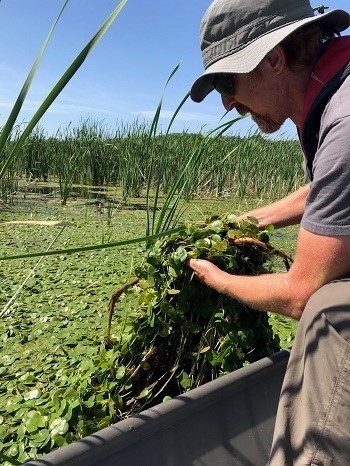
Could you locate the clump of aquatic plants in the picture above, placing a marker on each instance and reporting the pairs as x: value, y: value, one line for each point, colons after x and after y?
x: 185, y: 334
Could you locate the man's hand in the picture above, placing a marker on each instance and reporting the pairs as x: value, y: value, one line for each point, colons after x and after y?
x: 208, y: 273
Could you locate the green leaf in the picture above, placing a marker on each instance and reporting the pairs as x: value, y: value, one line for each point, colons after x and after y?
x: 58, y: 426
x: 145, y: 365
x: 216, y: 226
x: 89, y: 403
x: 220, y: 245
x: 40, y: 439
x: 232, y: 218
x: 146, y: 393
x: 270, y: 229
x: 33, y: 420
x: 235, y: 233
x: 59, y: 440
x: 253, y: 220
x: 68, y: 414
x: 7, y: 360
x: 13, y: 450
x: 191, y: 327
x: 33, y: 394
x: 21, y: 431
x: 184, y: 380
x: 120, y: 372
x: 212, y: 357
x: 203, y: 244
x: 31, y: 427
x: 180, y: 255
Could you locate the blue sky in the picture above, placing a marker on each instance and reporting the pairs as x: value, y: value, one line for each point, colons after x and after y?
x: 123, y: 78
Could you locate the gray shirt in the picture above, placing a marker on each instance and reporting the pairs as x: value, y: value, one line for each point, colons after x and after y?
x: 327, y: 210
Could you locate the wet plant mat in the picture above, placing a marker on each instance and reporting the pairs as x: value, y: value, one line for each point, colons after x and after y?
x: 185, y: 334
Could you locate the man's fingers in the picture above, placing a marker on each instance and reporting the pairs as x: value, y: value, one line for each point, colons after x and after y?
x: 191, y: 262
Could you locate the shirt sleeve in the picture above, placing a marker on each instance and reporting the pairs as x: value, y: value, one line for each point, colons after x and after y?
x: 327, y: 210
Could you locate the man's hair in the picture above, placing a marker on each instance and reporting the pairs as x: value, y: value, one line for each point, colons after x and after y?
x: 304, y: 46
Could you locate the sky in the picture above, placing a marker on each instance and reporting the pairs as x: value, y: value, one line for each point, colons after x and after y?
x: 123, y: 79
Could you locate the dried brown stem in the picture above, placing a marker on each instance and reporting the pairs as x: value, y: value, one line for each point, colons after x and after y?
x: 112, y: 302
x: 146, y: 357
x: 247, y: 240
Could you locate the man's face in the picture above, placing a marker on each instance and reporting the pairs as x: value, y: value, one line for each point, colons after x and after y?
x: 256, y: 96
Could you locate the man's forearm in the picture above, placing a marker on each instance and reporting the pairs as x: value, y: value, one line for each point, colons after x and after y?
x: 284, y: 212
x: 270, y: 292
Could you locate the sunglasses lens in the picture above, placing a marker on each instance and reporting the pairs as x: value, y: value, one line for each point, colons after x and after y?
x: 223, y: 84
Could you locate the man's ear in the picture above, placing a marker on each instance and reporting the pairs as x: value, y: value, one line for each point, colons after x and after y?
x: 276, y: 59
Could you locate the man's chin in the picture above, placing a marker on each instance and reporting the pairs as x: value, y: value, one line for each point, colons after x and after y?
x: 266, y: 125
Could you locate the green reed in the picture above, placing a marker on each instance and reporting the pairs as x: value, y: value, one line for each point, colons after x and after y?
x: 127, y: 157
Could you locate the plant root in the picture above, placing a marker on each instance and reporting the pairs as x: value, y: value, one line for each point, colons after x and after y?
x: 111, y: 305
x: 247, y: 240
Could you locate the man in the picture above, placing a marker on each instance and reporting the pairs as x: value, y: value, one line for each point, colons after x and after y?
x: 277, y: 60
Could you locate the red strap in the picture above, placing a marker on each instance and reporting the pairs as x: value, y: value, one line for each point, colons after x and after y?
x: 335, y: 57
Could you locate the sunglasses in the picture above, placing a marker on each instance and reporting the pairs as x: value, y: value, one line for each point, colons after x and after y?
x: 223, y: 84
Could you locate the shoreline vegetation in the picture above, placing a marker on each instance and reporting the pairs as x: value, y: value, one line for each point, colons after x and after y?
x: 93, y: 154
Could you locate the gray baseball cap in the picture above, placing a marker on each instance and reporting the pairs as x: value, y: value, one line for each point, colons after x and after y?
x: 236, y: 35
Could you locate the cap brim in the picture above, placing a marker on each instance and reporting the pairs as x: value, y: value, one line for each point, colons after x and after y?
x: 245, y: 60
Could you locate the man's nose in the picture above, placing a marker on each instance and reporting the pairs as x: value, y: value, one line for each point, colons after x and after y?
x: 229, y: 103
